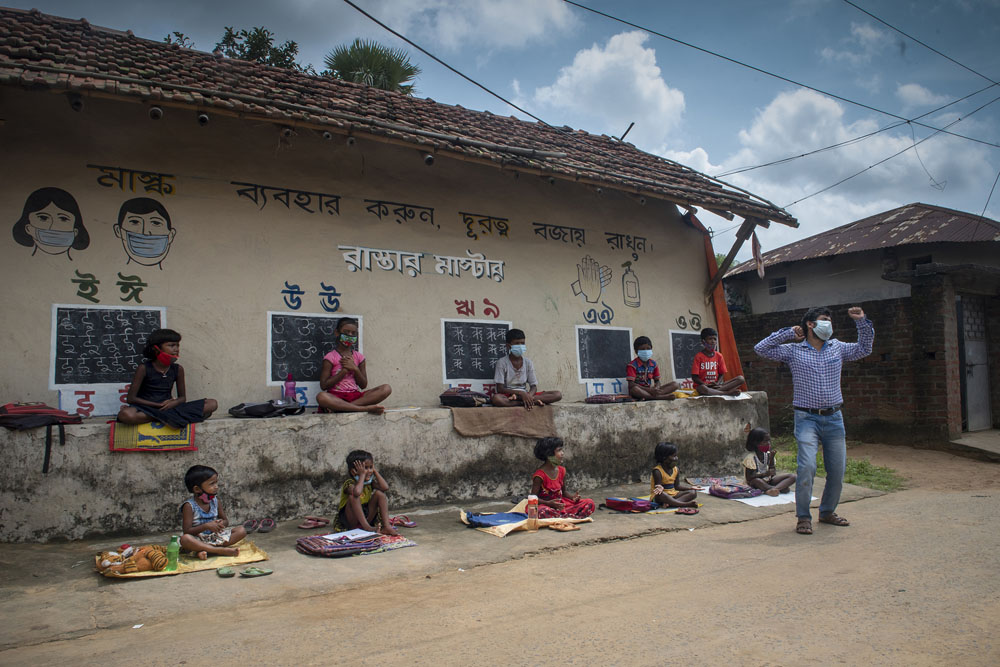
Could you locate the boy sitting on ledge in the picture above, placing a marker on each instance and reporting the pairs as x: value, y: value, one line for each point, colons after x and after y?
x: 709, y: 368
x: 515, y: 378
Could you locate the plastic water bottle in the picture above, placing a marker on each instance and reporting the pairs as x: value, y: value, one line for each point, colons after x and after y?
x: 173, y: 550
x: 532, y: 511
x: 290, y: 390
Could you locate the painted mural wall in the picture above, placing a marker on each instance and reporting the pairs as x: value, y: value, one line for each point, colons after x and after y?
x: 252, y: 243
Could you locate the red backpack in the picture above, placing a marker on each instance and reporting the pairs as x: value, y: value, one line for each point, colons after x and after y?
x: 629, y: 504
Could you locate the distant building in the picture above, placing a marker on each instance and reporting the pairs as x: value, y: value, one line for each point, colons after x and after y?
x: 929, y: 278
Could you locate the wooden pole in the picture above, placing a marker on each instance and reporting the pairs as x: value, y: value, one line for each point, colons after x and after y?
x: 746, y: 229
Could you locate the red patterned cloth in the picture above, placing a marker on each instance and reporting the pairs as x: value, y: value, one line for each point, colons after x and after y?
x: 552, y: 489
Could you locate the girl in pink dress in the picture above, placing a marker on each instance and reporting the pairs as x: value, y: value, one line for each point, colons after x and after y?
x: 554, y: 501
x: 344, y: 379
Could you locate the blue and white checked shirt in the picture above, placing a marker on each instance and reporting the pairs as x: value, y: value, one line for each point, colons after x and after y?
x: 816, y: 373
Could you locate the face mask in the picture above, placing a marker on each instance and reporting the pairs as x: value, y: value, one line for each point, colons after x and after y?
x: 55, y: 237
x: 518, y: 350
x: 349, y: 341
x: 824, y: 329
x: 357, y: 478
x: 710, y: 346
x: 206, y: 497
x: 143, y: 245
x: 163, y: 357
x: 553, y: 460
x: 645, y: 355
x: 763, y: 449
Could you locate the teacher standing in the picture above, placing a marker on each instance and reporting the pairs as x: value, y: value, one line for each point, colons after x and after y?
x: 815, y: 359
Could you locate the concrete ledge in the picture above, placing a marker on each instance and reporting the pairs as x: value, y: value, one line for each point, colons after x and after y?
x: 285, y: 468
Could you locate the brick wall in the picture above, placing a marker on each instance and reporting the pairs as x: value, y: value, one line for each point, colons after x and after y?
x: 993, y: 336
x: 898, y: 393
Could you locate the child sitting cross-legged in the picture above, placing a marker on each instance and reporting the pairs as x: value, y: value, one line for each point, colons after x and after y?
x: 708, y: 369
x: 759, y: 465
x: 205, y: 524
x: 665, y: 487
x: 363, y: 502
x: 514, y: 375
x: 643, y: 375
x: 548, y: 483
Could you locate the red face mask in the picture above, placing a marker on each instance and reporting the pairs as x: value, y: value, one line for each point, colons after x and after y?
x: 763, y: 449
x: 163, y: 357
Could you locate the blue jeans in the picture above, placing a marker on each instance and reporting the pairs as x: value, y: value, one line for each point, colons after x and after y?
x: 810, y: 431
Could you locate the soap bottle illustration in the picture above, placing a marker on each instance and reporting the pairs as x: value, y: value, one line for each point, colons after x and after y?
x: 630, y: 286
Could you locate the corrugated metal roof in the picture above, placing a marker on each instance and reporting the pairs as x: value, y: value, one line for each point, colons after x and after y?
x: 38, y: 51
x: 906, y: 225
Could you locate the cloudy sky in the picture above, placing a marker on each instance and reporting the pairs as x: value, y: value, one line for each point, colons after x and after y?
x: 573, y: 67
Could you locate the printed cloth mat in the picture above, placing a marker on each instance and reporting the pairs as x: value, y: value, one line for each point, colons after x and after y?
x: 505, y: 529
x: 477, y: 422
x: 151, y: 437
x: 762, y: 500
x: 321, y: 546
x: 659, y: 509
x: 249, y: 553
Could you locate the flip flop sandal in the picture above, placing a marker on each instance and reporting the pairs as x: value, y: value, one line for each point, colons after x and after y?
x: 834, y: 520
x: 311, y: 524
x: 251, y: 525
x: 403, y: 521
x: 564, y: 527
x: 804, y: 527
x: 226, y: 572
x: 266, y: 526
x: 255, y: 572
x: 687, y: 510
x: 322, y: 520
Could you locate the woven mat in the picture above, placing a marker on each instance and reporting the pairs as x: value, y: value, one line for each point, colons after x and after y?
x: 390, y: 543
x: 151, y: 437
x: 507, y: 528
x: 249, y: 553
x: 477, y: 422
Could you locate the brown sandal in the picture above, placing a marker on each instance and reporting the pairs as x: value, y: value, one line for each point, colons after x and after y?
x: 834, y: 520
x: 804, y: 527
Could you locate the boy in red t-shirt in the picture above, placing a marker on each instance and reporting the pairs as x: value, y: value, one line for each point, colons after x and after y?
x: 643, y: 375
x: 709, y: 369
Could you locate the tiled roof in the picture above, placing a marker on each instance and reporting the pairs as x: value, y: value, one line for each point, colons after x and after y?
x: 906, y: 225
x: 42, y: 51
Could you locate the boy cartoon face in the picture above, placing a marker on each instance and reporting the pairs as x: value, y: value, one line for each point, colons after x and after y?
x: 145, y: 230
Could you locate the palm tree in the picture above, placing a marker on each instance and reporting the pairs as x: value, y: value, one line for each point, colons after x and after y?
x: 372, y: 64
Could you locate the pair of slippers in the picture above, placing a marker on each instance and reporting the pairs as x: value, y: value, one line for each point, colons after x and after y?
x: 402, y: 521
x: 687, y: 510
x: 227, y: 572
x: 563, y: 526
x: 259, y: 525
x: 313, y: 522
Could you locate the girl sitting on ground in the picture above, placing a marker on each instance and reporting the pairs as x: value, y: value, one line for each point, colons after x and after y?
x: 554, y: 501
x: 205, y: 524
x: 345, y: 376
x: 759, y: 464
x: 150, y: 396
x: 664, y: 485
x: 363, y: 501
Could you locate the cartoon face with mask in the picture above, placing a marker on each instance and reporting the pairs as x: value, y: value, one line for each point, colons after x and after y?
x: 51, y: 222
x: 145, y: 230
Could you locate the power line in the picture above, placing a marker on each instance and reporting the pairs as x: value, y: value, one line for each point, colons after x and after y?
x: 926, y: 46
x: 847, y: 142
x: 772, y: 74
x: 914, y: 145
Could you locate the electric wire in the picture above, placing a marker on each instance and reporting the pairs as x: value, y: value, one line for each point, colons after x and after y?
x: 772, y: 74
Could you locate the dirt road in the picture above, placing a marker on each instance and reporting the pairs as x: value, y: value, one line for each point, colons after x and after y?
x: 914, y: 580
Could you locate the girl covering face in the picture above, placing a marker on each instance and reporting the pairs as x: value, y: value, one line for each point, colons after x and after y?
x: 51, y: 222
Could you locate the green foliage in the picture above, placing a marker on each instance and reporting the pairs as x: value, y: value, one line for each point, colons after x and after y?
x: 370, y: 63
x: 180, y: 39
x: 257, y: 45
x: 860, y: 472
x: 720, y: 257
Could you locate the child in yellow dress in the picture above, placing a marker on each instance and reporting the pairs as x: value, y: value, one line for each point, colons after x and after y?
x: 664, y: 487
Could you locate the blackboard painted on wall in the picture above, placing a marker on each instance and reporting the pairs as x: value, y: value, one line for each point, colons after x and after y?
x: 683, y: 346
x: 99, y: 344
x: 470, y: 348
x: 297, y: 342
x: 602, y: 352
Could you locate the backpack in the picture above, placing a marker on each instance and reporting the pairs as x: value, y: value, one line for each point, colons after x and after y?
x: 609, y: 398
x: 733, y: 491
x: 21, y: 416
x: 629, y: 504
x: 457, y: 397
x: 266, y: 410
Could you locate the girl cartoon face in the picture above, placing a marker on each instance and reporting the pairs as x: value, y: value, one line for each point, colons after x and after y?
x: 51, y: 222
x: 145, y: 230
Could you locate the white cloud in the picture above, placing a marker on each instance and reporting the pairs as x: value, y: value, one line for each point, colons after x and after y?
x: 454, y: 24
x: 914, y: 95
x: 608, y: 86
x: 865, y: 42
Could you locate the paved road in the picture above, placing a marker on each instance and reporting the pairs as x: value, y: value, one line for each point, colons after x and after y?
x: 913, y: 581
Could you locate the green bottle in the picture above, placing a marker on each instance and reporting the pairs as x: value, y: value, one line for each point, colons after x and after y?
x: 172, y: 552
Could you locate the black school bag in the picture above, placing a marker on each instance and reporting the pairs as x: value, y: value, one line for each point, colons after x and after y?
x: 463, y: 398
x: 266, y: 410
x: 22, y: 416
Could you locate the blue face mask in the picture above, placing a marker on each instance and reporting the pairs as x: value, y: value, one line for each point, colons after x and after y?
x: 518, y: 350
x: 824, y: 329
x: 55, y: 237
x: 357, y: 478
x: 146, y: 246
x: 645, y: 355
